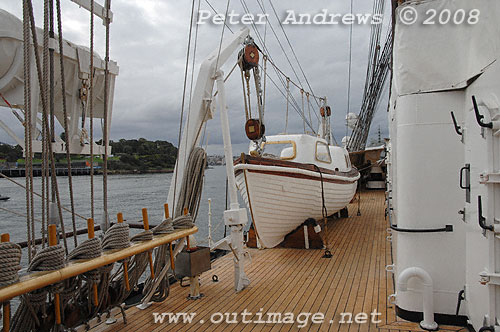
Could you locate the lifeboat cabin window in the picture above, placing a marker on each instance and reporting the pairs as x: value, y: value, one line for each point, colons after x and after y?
x: 284, y: 150
x: 323, y: 153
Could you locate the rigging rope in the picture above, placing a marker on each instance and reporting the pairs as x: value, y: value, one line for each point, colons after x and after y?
x: 264, y: 93
x: 183, y: 102
x: 215, y: 11
x: 18, y: 214
x: 247, y: 80
x: 309, y: 106
x: 349, y: 75
x: 45, y: 121
x: 324, y: 212
x: 247, y: 114
x: 287, y: 97
x: 105, y: 138
x: 302, y: 97
x: 294, y: 103
x: 27, y: 120
x: 90, y: 103
x: 277, y: 39
x: 221, y: 38
x: 65, y: 116
x: 282, y: 80
x: 193, y: 64
x: 293, y: 51
x: 45, y: 181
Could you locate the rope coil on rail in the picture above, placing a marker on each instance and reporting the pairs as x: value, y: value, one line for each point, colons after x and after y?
x: 88, y: 249
x: 10, y: 259
x: 183, y: 222
x: 116, y: 237
x: 26, y: 316
x: 136, y: 266
x: 192, y: 182
x: 166, y: 227
x: 146, y: 235
x: 48, y: 259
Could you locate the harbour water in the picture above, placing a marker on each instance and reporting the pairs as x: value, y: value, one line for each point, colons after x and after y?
x: 126, y: 193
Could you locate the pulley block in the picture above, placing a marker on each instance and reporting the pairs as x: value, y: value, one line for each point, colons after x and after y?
x: 254, y: 129
x: 325, y: 110
x: 249, y: 56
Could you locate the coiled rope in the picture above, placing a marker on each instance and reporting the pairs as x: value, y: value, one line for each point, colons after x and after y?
x: 10, y: 259
x: 183, y: 222
x: 162, y: 256
x: 142, y: 236
x: 136, y: 268
x: 166, y: 227
x: 26, y: 316
x: 192, y: 183
x: 90, y: 248
x: 48, y: 259
x: 116, y: 237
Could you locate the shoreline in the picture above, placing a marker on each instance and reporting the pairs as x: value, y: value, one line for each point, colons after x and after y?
x: 20, y: 172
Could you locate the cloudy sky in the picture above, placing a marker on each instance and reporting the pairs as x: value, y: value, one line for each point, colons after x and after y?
x: 149, y: 42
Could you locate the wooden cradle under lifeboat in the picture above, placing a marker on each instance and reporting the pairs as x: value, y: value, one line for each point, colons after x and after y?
x: 287, y: 184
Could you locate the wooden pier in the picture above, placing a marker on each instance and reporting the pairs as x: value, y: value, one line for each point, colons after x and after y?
x: 60, y: 171
x: 353, y: 281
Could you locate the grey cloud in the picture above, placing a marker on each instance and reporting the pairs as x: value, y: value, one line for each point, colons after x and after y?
x: 149, y: 42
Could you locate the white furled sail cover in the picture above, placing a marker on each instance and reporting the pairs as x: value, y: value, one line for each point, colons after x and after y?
x: 464, y: 52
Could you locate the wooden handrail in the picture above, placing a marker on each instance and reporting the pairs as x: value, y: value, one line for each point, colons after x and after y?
x: 38, y: 280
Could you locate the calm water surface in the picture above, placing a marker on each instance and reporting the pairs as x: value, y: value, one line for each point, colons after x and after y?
x: 126, y: 193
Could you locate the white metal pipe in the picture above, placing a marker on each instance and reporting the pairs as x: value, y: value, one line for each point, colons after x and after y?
x: 226, y: 136
x: 306, y: 237
x: 428, y: 301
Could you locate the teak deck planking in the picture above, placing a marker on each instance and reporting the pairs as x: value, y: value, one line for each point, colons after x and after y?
x: 283, y: 280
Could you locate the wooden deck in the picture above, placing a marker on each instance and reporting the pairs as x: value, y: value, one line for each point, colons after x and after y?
x: 353, y: 281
